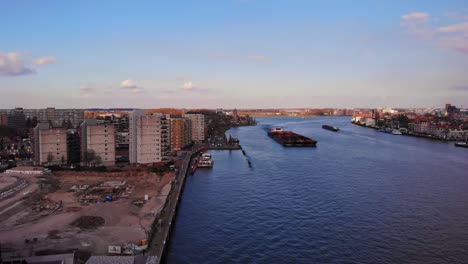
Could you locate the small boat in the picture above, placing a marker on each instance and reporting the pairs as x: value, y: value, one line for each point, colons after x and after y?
x: 396, y: 132
x: 331, y: 128
x: 461, y: 144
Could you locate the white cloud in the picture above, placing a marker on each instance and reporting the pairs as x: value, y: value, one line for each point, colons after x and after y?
x: 454, y: 37
x: 128, y: 84
x: 44, y: 60
x: 456, y: 28
x: 416, y: 17
x: 131, y: 85
x: 11, y: 64
x: 188, y: 86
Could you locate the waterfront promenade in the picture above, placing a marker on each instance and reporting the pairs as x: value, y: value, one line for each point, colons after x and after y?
x: 164, y: 221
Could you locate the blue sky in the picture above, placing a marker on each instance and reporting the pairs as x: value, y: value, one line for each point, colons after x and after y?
x: 237, y: 53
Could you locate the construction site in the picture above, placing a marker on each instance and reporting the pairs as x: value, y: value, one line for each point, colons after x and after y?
x: 100, y: 213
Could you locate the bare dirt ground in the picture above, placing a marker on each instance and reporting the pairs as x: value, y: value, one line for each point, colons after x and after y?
x: 58, y: 221
x: 6, y: 181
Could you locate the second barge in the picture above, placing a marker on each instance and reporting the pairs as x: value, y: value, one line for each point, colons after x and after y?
x: 331, y: 128
x: 291, y: 139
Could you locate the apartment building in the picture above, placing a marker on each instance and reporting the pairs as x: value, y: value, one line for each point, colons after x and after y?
x: 3, y: 119
x: 57, y: 117
x: 180, y: 132
x: 148, y: 137
x: 50, y: 145
x: 97, y: 143
x: 198, y: 126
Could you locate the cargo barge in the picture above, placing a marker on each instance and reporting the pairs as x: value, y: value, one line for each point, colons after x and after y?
x: 331, y: 128
x: 291, y: 139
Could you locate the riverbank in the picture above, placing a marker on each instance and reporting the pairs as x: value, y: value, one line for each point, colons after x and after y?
x: 420, y: 135
x: 163, y: 222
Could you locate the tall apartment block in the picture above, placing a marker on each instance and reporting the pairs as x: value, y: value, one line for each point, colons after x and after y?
x: 180, y: 132
x: 198, y: 126
x: 3, y: 119
x: 16, y: 118
x: 50, y: 145
x: 99, y: 139
x: 148, y: 137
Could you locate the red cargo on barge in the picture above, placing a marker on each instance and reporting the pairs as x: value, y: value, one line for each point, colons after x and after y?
x: 291, y: 139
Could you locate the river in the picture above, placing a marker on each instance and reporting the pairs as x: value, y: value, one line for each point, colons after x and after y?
x: 360, y: 196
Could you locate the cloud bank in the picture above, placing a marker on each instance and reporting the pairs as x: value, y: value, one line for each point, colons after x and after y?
x: 453, y: 37
x: 11, y: 64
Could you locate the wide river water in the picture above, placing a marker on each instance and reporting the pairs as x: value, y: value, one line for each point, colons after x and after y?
x: 360, y: 196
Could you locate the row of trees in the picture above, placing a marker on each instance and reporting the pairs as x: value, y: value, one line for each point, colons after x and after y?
x: 90, y: 159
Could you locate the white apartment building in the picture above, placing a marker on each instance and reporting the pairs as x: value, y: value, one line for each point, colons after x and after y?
x: 50, y: 145
x: 98, y: 138
x: 198, y: 126
x: 148, y: 137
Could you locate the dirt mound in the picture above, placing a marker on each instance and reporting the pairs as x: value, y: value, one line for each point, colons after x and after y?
x: 88, y: 222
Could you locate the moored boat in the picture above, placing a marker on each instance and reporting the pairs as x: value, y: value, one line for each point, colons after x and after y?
x: 205, y: 161
x: 461, y: 144
x: 396, y: 132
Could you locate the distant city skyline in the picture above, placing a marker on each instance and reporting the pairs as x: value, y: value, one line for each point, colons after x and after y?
x: 234, y: 54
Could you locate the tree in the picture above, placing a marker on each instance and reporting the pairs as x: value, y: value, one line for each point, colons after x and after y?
x: 403, y: 120
x: 28, y: 123
x: 90, y: 157
x: 34, y: 121
x: 97, y: 160
x: 50, y: 157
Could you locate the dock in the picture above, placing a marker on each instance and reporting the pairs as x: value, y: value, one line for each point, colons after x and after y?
x: 226, y: 147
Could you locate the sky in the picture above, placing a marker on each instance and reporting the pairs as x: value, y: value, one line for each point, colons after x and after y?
x: 233, y: 53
